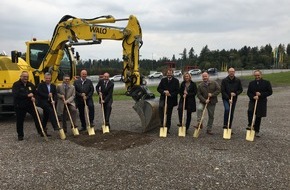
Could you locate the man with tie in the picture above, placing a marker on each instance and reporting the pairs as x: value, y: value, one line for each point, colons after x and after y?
x: 46, y: 96
x: 66, y: 96
x: 84, y: 92
x: 105, y: 89
x: 169, y: 87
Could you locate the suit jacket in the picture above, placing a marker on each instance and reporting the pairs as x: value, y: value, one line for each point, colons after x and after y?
x: 265, y: 88
x: 20, y: 93
x: 42, y: 94
x: 212, y: 87
x: 231, y: 85
x: 190, y: 103
x: 173, y: 87
x: 87, y: 87
x: 107, y: 92
x: 70, y: 96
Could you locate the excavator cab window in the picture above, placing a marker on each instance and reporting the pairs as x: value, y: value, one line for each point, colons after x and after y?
x: 65, y: 67
x: 37, y: 53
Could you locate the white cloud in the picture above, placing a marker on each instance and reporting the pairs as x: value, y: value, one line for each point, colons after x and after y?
x: 168, y: 26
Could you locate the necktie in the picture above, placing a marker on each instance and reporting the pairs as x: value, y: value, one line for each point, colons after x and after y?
x: 106, y: 83
x: 65, y: 91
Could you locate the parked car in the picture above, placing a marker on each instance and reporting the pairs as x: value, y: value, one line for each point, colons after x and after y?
x: 194, y: 71
x: 116, y: 78
x: 155, y: 75
x: 212, y: 71
x: 177, y: 73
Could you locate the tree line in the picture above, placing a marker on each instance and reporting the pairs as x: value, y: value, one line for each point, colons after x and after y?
x: 265, y: 57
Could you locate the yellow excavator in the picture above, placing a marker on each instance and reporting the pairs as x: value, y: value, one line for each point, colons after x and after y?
x: 57, y: 57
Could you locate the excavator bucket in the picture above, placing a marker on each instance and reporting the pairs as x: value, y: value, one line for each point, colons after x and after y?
x: 148, y: 113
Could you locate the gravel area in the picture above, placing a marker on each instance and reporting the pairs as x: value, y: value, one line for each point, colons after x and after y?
x: 129, y: 159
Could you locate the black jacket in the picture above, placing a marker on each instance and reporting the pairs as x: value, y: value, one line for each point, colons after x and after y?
x: 265, y: 88
x: 107, y: 92
x: 173, y: 87
x: 231, y: 85
x: 20, y: 93
x: 42, y: 94
x: 190, y: 103
x: 87, y: 87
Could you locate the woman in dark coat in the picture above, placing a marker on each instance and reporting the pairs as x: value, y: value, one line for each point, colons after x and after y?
x: 188, y: 91
x: 258, y: 89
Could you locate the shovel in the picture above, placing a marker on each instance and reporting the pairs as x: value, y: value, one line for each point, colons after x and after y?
x: 105, y: 127
x: 228, y: 131
x: 61, y: 131
x: 40, y: 124
x: 197, y: 131
x: 74, y: 129
x: 251, y: 133
x: 90, y: 129
x: 163, y: 130
x: 182, y: 128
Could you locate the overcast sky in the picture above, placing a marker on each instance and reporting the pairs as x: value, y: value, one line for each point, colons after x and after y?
x: 168, y: 26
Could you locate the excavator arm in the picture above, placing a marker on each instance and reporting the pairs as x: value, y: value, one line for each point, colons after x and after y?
x: 76, y: 31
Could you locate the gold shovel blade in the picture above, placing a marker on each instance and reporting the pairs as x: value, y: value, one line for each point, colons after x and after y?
x: 181, y: 131
x: 250, y: 135
x: 196, y: 133
x: 75, y: 131
x: 91, y: 130
x: 163, y: 132
x: 105, y: 129
x: 62, y: 134
x: 227, y: 133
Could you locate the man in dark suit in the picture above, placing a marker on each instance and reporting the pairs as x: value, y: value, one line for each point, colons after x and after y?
x: 84, y: 92
x: 105, y: 89
x: 24, y: 92
x: 169, y: 87
x: 46, y: 96
x: 258, y: 89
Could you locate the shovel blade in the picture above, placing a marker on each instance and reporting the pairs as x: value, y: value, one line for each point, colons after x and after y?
x: 105, y: 129
x: 196, y: 133
x: 250, y: 135
x: 163, y: 132
x: 62, y: 134
x: 75, y: 131
x: 181, y: 131
x: 227, y: 133
x: 91, y: 130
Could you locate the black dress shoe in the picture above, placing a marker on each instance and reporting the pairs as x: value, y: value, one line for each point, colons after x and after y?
x: 20, y: 138
x: 82, y: 129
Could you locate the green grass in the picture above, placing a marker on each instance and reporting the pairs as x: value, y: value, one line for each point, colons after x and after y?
x: 276, y: 79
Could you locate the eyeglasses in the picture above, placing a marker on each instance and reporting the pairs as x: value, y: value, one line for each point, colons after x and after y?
x: 257, y: 75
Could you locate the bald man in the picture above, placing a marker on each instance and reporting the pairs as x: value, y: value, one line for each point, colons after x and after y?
x: 231, y: 86
x: 84, y: 92
x: 105, y: 89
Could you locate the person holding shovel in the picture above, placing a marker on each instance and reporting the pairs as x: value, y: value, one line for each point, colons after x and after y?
x: 66, y: 96
x: 207, y: 92
x: 46, y: 96
x: 23, y: 93
x: 169, y: 87
x: 187, y: 92
x: 231, y: 87
x: 105, y: 89
x: 84, y: 92
x: 258, y: 89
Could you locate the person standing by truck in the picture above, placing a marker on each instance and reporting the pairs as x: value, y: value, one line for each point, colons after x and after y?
x: 24, y: 95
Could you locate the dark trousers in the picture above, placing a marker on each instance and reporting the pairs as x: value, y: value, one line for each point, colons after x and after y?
x: 81, y: 107
x: 107, y: 112
x: 48, y: 113
x: 20, y: 116
x: 227, y: 111
x: 169, y: 114
x: 188, y: 117
x: 257, y: 123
